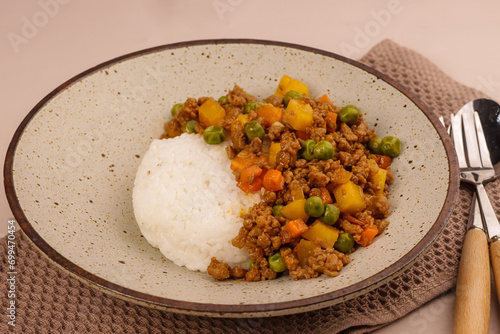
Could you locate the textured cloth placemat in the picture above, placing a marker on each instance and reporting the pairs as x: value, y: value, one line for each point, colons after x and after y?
x: 48, y: 300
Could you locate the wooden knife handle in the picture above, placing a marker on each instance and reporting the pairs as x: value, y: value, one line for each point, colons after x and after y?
x: 472, y: 304
x: 495, y: 264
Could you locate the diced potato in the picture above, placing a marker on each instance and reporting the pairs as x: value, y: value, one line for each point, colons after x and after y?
x: 295, y: 210
x: 297, y: 193
x: 379, y: 180
x: 298, y: 87
x: 211, y: 113
x: 322, y: 234
x: 349, y: 197
x: 241, y: 120
x: 274, y: 149
x: 298, y: 114
x: 304, y: 250
x: 287, y: 84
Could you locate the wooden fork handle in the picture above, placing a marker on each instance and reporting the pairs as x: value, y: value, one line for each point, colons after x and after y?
x: 495, y: 264
x: 472, y: 304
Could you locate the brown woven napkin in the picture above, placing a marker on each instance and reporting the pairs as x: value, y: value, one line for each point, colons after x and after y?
x: 48, y: 300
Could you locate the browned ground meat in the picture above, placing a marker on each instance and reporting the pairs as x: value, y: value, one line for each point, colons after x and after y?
x: 262, y: 233
x: 218, y: 270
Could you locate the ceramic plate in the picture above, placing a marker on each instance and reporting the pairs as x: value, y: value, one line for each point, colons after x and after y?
x: 70, y: 169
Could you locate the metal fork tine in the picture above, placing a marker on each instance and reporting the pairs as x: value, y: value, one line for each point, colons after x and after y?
x: 483, y: 147
x: 471, y: 138
x: 456, y: 128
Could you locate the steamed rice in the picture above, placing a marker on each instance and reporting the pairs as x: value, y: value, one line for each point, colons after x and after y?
x: 187, y: 204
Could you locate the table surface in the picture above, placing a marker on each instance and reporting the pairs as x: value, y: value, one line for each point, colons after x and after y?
x: 46, y: 42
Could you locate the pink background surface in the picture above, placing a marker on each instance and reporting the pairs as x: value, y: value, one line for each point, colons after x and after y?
x: 44, y: 43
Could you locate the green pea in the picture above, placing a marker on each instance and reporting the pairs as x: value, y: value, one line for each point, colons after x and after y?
x: 277, y: 211
x: 223, y: 100
x: 251, y: 105
x: 314, y: 206
x: 291, y: 95
x: 276, y: 263
x: 344, y: 243
x: 331, y: 214
x: 251, y: 264
x: 176, y: 108
x: 349, y: 114
x: 189, y: 126
x: 214, y: 135
x: 375, y: 145
x: 307, y: 150
x: 324, y: 150
x: 253, y: 129
x: 390, y: 146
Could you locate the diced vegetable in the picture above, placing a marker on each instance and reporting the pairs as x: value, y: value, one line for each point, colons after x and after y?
x: 383, y: 161
x: 325, y: 98
x: 291, y: 95
x: 353, y: 219
x: 270, y: 114
x: 276, y: 263
x: 325, y: 196
x: 349, y: 114
x: 331, y: 121
x: 379, y: 180
x: 349, y: 197
x: 253, y: 129
x: 239, y: 122
x: 251, y: 105
x: 307, y: 150
x: 331, y: 214
x: 322, y: 234
x: 176, y: 108
x: 298, y: 114
x: 390, y: 146
x: 304, y: 250
x: 314, y: 206
x: 323, y: 150
x: 295, y: 228
x: 211, y: 113
x: 344, y: 243
x: 273, y: 180
x: 214, y: 135
x: 297, y: 193
x: 301, y: 135
x: 295, y: 210
x: 245, y: 159
x: 287, y: 84
x: 277, y: 210
x: 367, y: 235
x: 250, y: 180
x: 274, y: 149
x: 375, y: 145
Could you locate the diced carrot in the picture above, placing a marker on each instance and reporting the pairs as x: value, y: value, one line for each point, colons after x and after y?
x: 250, y: 179
x: 367, y: 235
x: 352, y: 219
x: 301, y: 135
x: 325, y: 196
x: 273, y: 180
x: 331, y: 121
x: 270, y: 114
x: 325, y: 98
x: 294, y: 228
x: 383, y: 161
x: 238, y: 163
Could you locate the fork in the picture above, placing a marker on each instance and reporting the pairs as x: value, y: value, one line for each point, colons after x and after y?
x: 472, y: 304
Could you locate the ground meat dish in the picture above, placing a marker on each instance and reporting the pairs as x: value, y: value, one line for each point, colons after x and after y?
x: 280, y: 235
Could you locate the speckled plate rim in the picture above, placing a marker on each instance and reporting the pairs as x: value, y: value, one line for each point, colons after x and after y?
x: 222, y: 310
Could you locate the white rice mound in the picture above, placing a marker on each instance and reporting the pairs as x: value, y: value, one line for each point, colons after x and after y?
x: 187, y: 204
